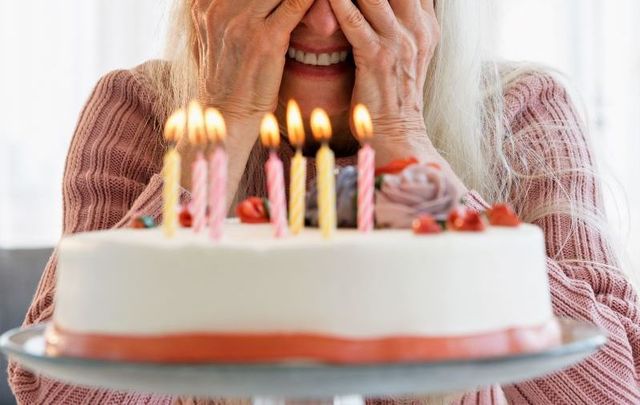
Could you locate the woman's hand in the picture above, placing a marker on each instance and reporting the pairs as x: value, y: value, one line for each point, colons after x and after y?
x: 393, y: 43
x: 241, y: 49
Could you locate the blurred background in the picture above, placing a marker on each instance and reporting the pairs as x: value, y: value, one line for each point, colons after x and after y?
x: 54, y: 52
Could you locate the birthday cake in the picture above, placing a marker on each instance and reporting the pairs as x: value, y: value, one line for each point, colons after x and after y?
x: 432, y: 281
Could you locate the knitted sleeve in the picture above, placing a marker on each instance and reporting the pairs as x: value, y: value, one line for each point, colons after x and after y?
x: 111, y: 174
x: 560, y: 192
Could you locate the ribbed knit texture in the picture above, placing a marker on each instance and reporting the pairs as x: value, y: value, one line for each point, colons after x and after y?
x: 112, y: 174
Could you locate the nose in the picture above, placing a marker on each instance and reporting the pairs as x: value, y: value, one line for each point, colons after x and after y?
x: 320, y: 19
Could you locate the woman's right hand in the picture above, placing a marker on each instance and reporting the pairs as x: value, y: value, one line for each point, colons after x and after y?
x: 241, y: 50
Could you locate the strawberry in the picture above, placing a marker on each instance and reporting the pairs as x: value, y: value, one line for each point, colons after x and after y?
x: 395, y: 167
x: 503, y: 215
x: 185, y: 218
x: 464, y: 220
x: 252, y: 211
x: 426, y: 225
x: 136, y: 223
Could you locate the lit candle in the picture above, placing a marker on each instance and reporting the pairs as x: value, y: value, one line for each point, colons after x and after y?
x: 325, y: 162
x: 366, y: 168
x: 198, y: 138
x: 174, y: 130
x: 297, y: 182
x: 270, y: 136
x: 218, y: 167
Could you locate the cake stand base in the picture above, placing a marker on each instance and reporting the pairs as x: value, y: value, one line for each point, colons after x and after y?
x: 271, y: 384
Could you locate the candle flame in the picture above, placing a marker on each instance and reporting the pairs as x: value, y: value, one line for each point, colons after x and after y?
x: 320, y: 125
x: 269, y: 131
x: 175, y: 126
x: 295, y: 127
x: 362, y: 122
x: 215, y: 126
x: 195, y: 124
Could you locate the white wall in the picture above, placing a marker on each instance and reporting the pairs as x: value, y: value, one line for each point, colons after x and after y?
x: 52, y: 54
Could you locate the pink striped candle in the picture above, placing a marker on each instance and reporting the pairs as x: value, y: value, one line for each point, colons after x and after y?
x: 275, y: 187
x: 270, y: 137
x: 366, y: 168
x: 198, y: 138
x: 199, y: 182
x: 218, y: 192
x: 218, y: 168
x: 366, y: 185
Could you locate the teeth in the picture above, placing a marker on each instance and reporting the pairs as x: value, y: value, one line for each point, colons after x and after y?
x: 310, y: 59
x: 323, y: 59
x: 314, y: 59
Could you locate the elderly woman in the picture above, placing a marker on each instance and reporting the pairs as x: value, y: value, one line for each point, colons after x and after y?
x: 500, y: 133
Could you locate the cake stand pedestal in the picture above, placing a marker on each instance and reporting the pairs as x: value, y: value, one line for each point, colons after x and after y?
x: 275, y: 384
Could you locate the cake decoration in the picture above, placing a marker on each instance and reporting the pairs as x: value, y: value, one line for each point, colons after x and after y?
x: 325, y: 161
x: 173, y: 132
x: 198, y: 139
x: 298, y: 175
x: 418, y: 189
x: 253, y: 210
x: 465, y: 220
x: 346, y: 197
x: 503, y: 215
x: 270, y: 136
x: 366, y: 168
x: 185, y: 218
x: 426, y: 225
x: 142, y: 222
x: 218, y: 167
x: 396, y: 166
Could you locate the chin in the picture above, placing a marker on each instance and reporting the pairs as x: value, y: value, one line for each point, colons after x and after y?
x: 332, y: 95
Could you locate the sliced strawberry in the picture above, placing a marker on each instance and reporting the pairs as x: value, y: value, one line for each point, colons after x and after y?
x: 503, y: 215
x: 252, y: 211
x: 397, y: 166
x: 463, y: 220
x: 426, y: 225
x: 185, y: 218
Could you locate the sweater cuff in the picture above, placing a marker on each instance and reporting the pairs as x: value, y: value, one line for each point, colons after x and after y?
x: 149, y: 202
x: 474, y: 201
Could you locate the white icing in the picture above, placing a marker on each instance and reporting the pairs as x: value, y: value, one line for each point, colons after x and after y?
x: 387, y: 283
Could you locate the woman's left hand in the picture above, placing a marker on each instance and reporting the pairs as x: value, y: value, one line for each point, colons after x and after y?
x: 393, y: 43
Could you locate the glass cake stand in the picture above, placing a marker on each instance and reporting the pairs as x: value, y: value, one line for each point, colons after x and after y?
x: 272, y: 384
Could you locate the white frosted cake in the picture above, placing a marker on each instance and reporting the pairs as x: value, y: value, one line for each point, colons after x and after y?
x: 387, y: 296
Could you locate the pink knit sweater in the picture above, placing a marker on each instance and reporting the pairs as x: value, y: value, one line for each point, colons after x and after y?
x: 112, y: 172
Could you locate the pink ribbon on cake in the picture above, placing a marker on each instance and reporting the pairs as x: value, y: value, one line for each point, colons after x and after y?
x: 419, y: 189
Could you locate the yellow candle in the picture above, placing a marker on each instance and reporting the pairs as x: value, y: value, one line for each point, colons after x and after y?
x: 297, y: 190
x: 174, y: 130
x: 298, y: 178
x: 325, y: 161
x: 171, y: 173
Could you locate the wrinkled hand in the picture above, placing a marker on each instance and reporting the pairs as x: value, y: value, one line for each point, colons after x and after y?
x: 241, y: 48
x: 240, y: 51
x: 393, y: 43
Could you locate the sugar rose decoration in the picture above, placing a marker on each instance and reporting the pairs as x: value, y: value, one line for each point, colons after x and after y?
x: 419, y: 189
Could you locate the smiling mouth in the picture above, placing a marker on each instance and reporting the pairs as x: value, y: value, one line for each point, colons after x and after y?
x: 318, y: 59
